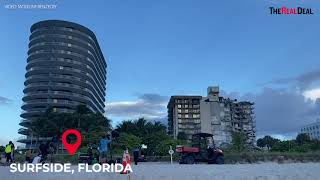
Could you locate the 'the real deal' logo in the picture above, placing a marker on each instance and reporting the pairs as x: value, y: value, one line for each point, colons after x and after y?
x: 291, y: 11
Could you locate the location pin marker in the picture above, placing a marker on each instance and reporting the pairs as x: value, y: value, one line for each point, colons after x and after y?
x: 71, y: 148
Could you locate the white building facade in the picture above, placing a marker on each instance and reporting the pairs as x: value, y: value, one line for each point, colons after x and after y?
x: 312, y: 130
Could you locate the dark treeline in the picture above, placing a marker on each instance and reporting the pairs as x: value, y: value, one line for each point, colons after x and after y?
x: 52, y: 125
x: 302, y: 143
x: 152, y: 134
x: 93, y: 126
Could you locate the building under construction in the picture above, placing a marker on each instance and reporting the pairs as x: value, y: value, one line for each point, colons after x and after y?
x: 211, y: 114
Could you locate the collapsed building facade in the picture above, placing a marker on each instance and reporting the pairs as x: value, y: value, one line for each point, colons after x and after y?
x: 211, y: 114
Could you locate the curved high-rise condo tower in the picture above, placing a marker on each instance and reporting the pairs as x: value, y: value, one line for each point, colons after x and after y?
x: 65, y: 68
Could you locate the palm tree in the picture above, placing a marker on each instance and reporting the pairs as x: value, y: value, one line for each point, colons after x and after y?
x: 158, y: 126
x: 140, y: 124
x: 127, y: 126
x: 81, y: 111
x: 53, y: 124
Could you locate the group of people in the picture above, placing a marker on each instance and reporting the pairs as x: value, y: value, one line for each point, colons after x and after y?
x: 96, y: 154
x: 104, y: 151
x: 102, y: 154
x: 44, y: 150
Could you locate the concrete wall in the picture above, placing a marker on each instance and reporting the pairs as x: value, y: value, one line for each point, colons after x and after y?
x: 215, y: 119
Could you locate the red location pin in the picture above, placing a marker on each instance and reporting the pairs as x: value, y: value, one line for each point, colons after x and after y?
x: 71, y: 148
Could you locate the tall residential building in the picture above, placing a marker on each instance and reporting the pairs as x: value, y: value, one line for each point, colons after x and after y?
x: 218, y: 115
x: 184, y: 115
x: 65, y: 68
x: 312, y: 130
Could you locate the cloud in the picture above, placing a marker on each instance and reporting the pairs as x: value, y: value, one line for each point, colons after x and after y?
x: 4, y: 141
x: 281, y: 111
x: 287, y: 110
x: 4, y: 100
x: 312, y: 94
x: 303, y: 81
x: 149, y: 106
x: 307, y: 79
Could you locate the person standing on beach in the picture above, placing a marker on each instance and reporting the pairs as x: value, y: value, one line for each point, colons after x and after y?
x: 126, y: 160
x: 28, y: 156
x: 12, y: 152
x: 136, y: 152
x: 104, y: 148
x: 9, y: 152
x: 44, y: 150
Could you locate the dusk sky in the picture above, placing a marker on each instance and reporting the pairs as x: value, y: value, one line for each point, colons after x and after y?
x: 155, y: 49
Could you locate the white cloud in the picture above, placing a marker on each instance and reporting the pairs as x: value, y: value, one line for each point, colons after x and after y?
x: 149, y: 106
x: 4, y: 100
x: 312, y: 94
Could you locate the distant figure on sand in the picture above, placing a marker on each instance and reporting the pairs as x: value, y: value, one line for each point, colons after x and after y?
x: 37, y: 159
x: 136, y: 152
x: 28, y: 156
x: 104, y: 148
x: 44, y: 150
x: 126, y: 160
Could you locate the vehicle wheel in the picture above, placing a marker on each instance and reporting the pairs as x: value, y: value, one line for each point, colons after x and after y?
x: 189, y: 160
x: 211, y: 161
x: 182, y: 160
x: 220, y: 160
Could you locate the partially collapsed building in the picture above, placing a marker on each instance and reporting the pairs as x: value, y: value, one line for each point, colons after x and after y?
x: 211, y: 114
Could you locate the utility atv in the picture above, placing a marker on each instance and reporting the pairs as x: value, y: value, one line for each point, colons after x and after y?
x: 202, y: 150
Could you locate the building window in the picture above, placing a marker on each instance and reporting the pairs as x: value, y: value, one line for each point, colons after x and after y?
x: 196, y: 115
x: 195, y: 106
x: 196, y: 110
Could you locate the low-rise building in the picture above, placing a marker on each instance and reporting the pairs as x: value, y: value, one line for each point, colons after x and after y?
x: 312, y: 130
